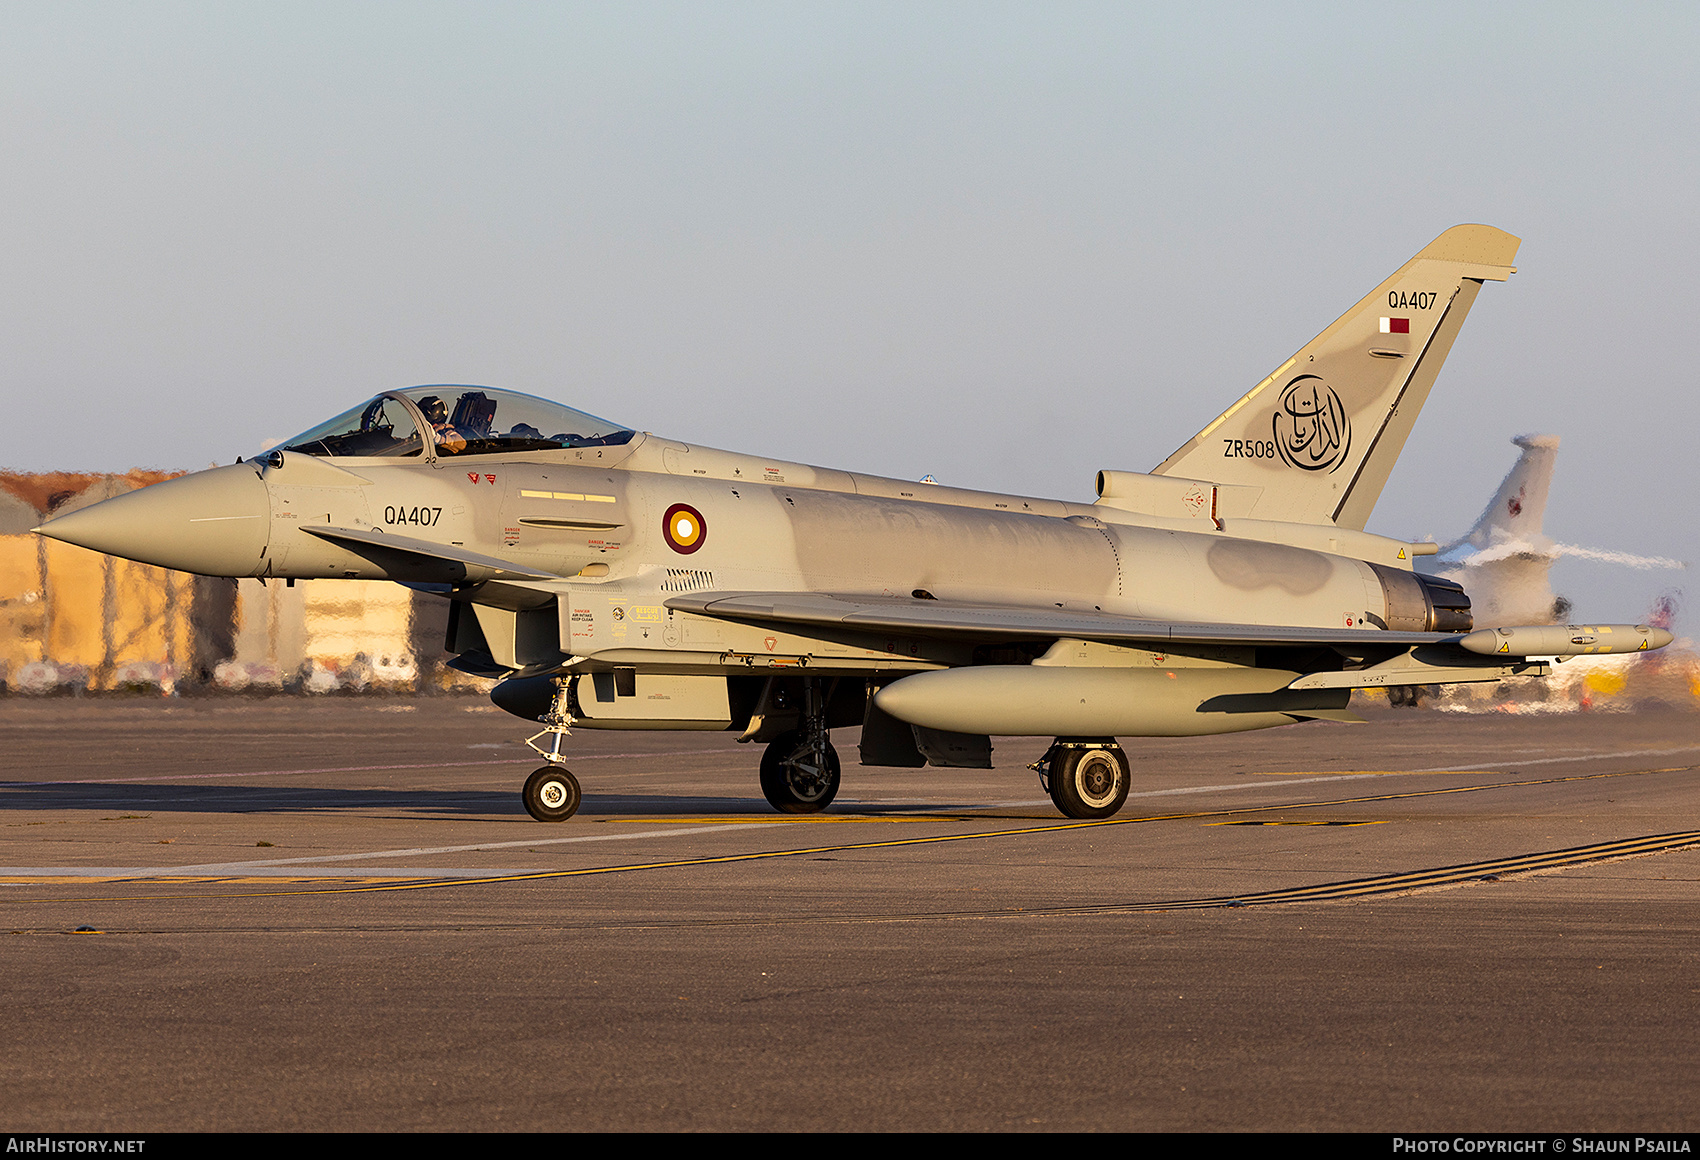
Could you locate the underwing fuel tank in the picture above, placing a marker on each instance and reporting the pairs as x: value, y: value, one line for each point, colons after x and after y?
x: 1046, y: 701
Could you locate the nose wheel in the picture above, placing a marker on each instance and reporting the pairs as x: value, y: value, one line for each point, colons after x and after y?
x: 551, y: 794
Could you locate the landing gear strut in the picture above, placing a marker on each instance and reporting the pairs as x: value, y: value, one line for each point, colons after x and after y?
x: 552, y: 794
x: 1086, y: 779
x: 799, y: 770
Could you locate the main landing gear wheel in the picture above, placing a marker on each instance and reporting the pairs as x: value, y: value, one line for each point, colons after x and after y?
x: 551, y: 794
x: 1088, y: 783
x: 799, y: 778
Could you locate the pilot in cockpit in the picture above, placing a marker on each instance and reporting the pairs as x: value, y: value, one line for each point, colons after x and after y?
x: 449, y: 440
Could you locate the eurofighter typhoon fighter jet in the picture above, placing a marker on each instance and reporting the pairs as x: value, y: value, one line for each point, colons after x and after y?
x: 609, y: 579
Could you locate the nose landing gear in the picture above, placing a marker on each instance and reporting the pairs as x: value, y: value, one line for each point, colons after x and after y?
x: 551, y: 794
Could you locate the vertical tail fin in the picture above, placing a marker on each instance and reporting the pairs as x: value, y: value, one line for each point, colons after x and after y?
x: 1321, y: 434
x: 1514, y: 514
x: 1505, y: 560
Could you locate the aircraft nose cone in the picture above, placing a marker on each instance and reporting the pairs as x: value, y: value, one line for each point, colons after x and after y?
x: 214, y: 522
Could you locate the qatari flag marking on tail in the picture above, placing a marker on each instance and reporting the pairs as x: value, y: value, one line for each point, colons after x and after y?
x: 1395, y: 326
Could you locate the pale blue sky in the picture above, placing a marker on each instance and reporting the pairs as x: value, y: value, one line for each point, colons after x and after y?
x: 1005, y: 244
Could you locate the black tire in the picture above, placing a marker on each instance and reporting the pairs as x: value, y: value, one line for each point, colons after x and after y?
x: 1089, y: 783
x: 551, y: 794
x: 792, y: 787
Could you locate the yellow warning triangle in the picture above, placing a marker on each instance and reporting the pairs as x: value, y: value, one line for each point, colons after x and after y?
x: 1401, y: 553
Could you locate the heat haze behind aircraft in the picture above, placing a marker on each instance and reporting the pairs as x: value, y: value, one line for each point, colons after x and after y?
x: 1504, y: 561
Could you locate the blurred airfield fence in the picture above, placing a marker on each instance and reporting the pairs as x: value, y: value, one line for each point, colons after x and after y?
x: 76, y: 621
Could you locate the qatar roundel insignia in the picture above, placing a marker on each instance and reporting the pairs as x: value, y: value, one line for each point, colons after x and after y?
x: 684, y: 528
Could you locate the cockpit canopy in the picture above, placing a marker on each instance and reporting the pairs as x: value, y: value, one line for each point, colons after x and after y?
x: 456, y: 420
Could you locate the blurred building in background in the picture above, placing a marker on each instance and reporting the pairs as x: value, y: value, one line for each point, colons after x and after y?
x: 76, y: 620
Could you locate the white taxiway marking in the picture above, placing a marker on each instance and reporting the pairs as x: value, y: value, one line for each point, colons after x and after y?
x: 273, y: 866
x: 251, y: 872
x: 1455, y: 767
x: 1489, y: 765
x: 1045, y: 801
x: 415, y: 852
x: 577, y: 757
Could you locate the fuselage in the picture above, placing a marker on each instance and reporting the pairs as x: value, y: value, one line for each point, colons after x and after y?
x: 568, y: 557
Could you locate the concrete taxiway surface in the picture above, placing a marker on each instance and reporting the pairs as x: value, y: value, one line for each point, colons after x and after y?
x: 334, y: 914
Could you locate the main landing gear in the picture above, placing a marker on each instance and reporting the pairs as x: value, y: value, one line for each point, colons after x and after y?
x: 552, y: 794
x: 799, y: 770
x: 1086, y: 778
